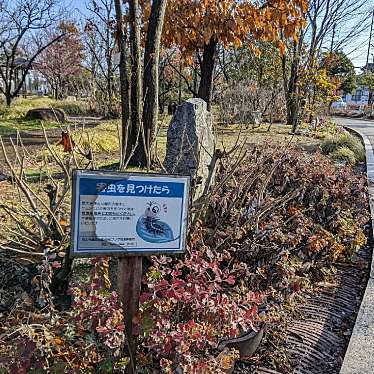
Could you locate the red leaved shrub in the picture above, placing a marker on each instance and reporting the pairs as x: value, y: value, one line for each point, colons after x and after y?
x: 270, y: 227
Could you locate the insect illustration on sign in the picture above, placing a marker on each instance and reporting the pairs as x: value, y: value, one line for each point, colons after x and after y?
x: 151, y: 228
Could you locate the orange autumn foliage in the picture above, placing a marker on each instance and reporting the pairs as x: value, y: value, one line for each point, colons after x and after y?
x: 191, y: 24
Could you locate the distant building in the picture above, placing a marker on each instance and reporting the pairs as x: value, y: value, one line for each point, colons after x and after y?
x: 361, y: 95
x: 35, y: 82
x: 358, y: 97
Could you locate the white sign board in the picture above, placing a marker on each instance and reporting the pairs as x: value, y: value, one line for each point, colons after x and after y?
x: 128, y: 213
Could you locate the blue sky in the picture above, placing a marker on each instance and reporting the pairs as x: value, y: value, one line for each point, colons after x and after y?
x: 356, y: 51
x: 78, y: 4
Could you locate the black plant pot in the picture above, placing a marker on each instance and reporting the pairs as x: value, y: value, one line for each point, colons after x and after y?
x: 246, y: 343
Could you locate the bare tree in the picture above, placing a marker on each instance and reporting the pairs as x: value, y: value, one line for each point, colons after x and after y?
x: 326, y: 17
x: 101, y: 47
x: 136, y: 77
x: 61, y: 62
x: 331, y: 24
x: 21, y: 23
x: 343, y: 35
x: 151, y: 82
x: 122, y: 37
x: 291, y: 75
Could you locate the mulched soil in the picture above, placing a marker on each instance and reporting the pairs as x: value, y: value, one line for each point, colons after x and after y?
x: 317, y: 338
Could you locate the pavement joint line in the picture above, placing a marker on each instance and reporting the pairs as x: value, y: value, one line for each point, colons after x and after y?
x: 359, y: 355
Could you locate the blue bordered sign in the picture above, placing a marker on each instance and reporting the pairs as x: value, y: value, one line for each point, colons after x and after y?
x: 128, y: 213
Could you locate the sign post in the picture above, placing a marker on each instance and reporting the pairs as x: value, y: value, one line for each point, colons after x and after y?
x: 129, y: 282
x: 128, y: 215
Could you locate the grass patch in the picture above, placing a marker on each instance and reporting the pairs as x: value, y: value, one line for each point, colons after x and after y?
x: 73, y: 108
x: 103, y: 138
x: 280, y: 133
x: 12, y: 118
x: 11, y: 126
x: 339, y: 145
x: 344, y: 154
x: 35, y: 175
x: 226, y: 137
x: 21, y: 106
x: 45, y: 155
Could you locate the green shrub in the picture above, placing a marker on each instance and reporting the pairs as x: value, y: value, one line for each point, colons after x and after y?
x: 348, y: 140
x: 332, y: 144
x: 344, y: 154
x: 359, y: 151
x: 329, y: 145
x: 322, y: 135
x: 76, y: 108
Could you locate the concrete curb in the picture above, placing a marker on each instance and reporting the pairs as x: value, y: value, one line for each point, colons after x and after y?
x: 359, y: 357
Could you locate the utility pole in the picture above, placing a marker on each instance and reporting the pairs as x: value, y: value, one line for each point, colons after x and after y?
x: 371, y: 33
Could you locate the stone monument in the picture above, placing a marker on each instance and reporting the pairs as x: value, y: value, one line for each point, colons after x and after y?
x: 190, y: 143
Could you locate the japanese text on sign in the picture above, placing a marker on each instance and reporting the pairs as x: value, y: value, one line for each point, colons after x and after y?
x: 129, y: 213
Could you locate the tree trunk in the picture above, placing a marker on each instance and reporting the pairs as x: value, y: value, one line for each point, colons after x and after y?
x: 207, y: 71
x: 124, y: 86
x: 109, y: 93
x: 110, y: 89
x: 59, y: 89
x: 8, y: 98
x: 291, y: 90
x: 312, y: 103
x: 145, y: 152
x: 136, y: 86
x: 195, y: 75
x: 293, y: 113
x: 180, y: 84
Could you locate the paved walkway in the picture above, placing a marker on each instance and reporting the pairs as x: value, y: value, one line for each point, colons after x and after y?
x: 359, y: 358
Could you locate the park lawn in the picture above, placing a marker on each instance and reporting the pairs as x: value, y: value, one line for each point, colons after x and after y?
x: 105, y: 143
x: 21, y: 106
x: 12, y: 119
x: 11, y: 126
x: 105, y: 136
x: 227, y: 137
